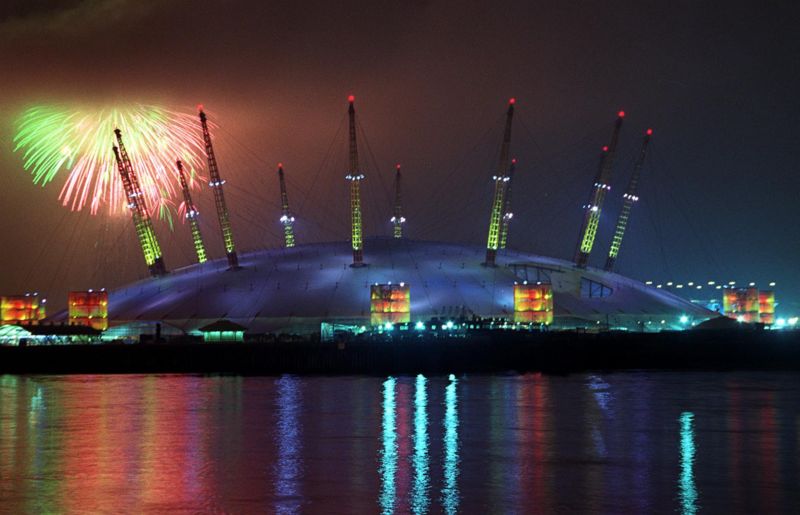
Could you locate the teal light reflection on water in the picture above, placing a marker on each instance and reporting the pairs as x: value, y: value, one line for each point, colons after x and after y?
x: 419, y: 496
x: 450, y: 495
x: 388, y: 457
x: 688, y: 490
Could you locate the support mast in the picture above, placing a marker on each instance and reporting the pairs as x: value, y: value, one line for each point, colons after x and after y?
x: 398, y: 219
x: 602, y: 184
x: 355, y: 176
x: 507, y: 213
x: 136, y: 203
x: 630, y: 197
x: 287, y: 219
x: 192, y: 214
x: 219, y: 198
x: 500, y: 181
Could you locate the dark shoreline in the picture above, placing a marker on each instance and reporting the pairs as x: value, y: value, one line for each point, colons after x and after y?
x: 554, y: 352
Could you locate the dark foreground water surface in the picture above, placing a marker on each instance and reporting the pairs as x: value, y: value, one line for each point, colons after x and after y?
x: 616, y: 443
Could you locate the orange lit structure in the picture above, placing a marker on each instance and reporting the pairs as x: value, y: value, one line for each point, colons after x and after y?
x: 390, y: 303
x: 533, y: 303
x: 766, y: 306
x: 730, y: 302
x: 743, y: 304
x: 21, y: 310
x: 751, y: 305
x: 89, y: 309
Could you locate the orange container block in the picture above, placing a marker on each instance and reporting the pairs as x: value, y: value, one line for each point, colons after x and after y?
x: 390, y: 303
x: 533, y: 303
x: 766, y: 303
x: 21, y: 310
x: 89, y: 308
x: 743, y: 304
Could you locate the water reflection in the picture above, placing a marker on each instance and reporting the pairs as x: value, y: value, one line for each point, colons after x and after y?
x: 388, y: 458
x: 419, y: 498
x: 403, y: 399
x: 769, y: 449
x: 598, y: 414
x: 538, y: 484
x: 688, y: 490
x: 641, y: 408
x: 450, y: 495
x: 289, y: 462
x: 509, y: 444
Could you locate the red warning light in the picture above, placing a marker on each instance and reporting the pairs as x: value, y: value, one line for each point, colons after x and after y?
x: 514, y: 161
x: 649, y: 132
x: 200, y: 107
x: 351, y: 98
x: 621, y: 114
x: 605, y: 149
x: 280, y: 165
x: 397, y: 166
x: 512, y: 101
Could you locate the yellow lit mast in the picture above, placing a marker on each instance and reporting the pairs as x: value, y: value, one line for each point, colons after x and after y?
x: 507, y: 214
x: 192, y: 214
x: 355, y: 176
x: 398, y: 219
x: 219, y: 198
x: 500, y: 181
x: 141, y: 217
x: 630, y: 197
x: 287, y: 219
x: 602, y: 185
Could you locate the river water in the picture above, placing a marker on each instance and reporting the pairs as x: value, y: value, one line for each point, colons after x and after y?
x: 601, y: 443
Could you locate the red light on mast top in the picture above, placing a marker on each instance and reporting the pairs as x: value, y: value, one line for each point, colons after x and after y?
x: 397, y: 166
x: 649, y: 132
x: 200, y: 108
x: 514, y: 161
x: 351, y: 98
x: 280, y: 165
x: 605, y: 149
x: 621, y: 114
x: 512, y: 101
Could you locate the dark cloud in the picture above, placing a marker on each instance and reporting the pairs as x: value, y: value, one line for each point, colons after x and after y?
x: 35, y: 9
x: 20, y: 19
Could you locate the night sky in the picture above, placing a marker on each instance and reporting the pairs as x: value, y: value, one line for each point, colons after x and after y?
x: 717, y: 81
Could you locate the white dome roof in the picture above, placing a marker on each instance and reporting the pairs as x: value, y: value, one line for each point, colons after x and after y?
x: 296, y: 289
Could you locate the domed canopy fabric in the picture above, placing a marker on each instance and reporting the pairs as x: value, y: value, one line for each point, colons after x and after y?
x: 294, y: 290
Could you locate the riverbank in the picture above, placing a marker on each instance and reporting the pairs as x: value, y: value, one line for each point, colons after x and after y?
x: 487, y: 352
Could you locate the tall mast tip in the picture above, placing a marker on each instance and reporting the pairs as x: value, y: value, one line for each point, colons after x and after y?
x: 199, y: 108
x: 649, y: 132
x: 351, y: 98
x: 621, y: 114
x: 512, y: 101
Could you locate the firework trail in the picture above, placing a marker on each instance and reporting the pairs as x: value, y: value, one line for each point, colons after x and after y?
x: 56, y: 140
